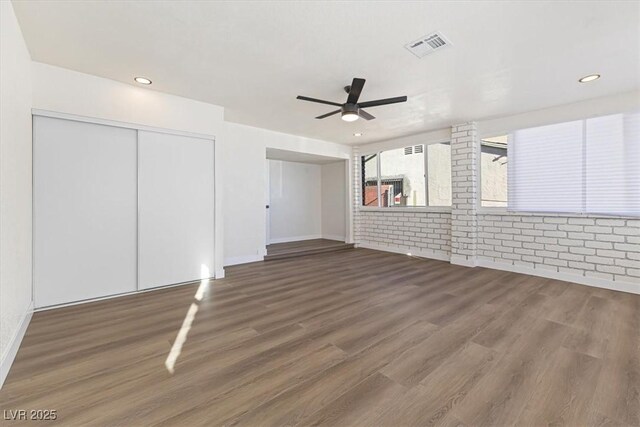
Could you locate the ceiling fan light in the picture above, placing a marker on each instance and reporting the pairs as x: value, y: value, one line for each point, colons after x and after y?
x: 349, y: 116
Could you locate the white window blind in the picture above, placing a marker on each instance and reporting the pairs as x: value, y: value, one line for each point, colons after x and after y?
x: 613, y: 164
x: 546, y: 169
x: 585, y: 166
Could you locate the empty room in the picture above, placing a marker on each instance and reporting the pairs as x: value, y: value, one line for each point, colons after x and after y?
x: 341, y: 213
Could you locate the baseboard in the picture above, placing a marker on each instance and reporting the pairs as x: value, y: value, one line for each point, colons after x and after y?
x: 295, y: 238
x: 463, y: 260
x: 220, y: 273
x: 242, y: 260
x: 633, y: 288
x: 10, y: 354
x: 332, y: 237
x: 596, y: 282
x: 124, y: 294
x: 405, y: 251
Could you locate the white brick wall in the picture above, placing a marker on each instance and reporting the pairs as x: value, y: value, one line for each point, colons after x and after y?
x: 601, y: 251
x: 425, y: 233
x: 604, y: 248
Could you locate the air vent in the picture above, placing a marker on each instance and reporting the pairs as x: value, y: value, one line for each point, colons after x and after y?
x: 417, y: 149
x: 408, y: 150
x: 427, y: 44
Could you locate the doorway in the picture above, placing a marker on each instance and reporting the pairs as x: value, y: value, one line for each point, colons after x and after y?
x: 306, y: 204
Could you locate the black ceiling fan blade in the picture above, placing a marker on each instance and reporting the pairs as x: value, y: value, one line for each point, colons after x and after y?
x: 355, y: 90
x: 328, y: 114
x: 320, y: 101
x: 365, y: 115
x: 378, y: 102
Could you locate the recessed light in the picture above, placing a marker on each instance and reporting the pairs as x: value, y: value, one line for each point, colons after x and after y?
x: 589, y: 78
x: 142, y: 80
x: 357, y: 134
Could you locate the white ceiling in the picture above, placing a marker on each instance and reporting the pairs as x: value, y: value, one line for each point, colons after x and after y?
x: 253, y: 58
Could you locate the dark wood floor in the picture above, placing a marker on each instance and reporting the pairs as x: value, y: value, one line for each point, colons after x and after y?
x: 356, y: 337
x: 303, y: 248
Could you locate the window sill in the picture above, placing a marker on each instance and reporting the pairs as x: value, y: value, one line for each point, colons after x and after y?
x: 434, y: 209
x: 493, y: 210
x: 503, y: 211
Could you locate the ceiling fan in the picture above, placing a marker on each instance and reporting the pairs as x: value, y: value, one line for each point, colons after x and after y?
x: 352, y: 109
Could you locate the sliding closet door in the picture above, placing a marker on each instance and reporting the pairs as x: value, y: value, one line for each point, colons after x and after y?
x: 175, y: 185
x: 84, y: 210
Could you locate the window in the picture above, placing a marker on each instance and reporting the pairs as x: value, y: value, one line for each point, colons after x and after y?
x: 370, y: 180
x: 546, y: 172
x: 493, y: 171
x: 439, y: 174
x: 415, y: 176
x: 401, y: 178
x: 612, y: 162
x: 584, y: 166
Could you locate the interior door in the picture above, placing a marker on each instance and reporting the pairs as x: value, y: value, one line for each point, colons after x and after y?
x: 176, y: 197
x: 267, y: 192
x: 85, y: 207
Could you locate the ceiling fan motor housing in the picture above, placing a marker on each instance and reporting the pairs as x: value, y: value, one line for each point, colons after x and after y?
x: 350, y: 108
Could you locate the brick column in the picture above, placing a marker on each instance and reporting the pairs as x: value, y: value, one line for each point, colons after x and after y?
x: 357, y: 196
x: 464, y: 184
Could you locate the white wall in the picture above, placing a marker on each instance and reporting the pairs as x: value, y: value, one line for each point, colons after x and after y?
x: 65, y: 91
x: 15, y: 186
x: 244, y: 152
x: 295, y: 201
x: 334, y: 200
x: 628, y: 101
x: 244, y: 195
x: 308, y: 201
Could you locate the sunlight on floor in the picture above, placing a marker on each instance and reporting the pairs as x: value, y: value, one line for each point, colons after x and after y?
x: 181, y: 338
x: 176, y: 348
